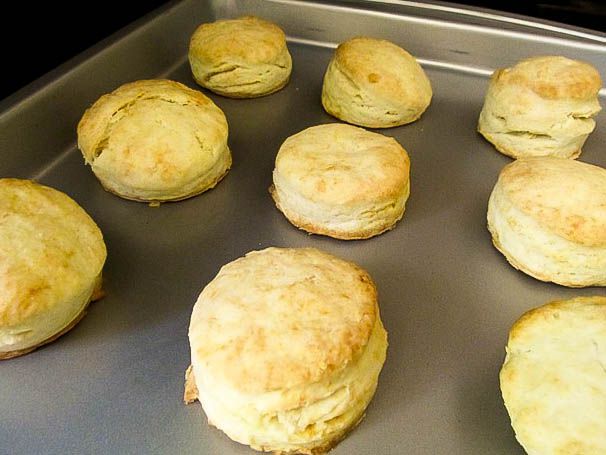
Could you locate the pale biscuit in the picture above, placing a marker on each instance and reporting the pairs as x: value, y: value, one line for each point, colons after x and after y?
x: 240, y: 58
x: 553, y: 380
x: 286, y: 349
x: 341, y: 181
x: 542, y: 106
x: 548, y: 217
x: 51, y: 257
x: 375, y: 83
x: 155, y: 140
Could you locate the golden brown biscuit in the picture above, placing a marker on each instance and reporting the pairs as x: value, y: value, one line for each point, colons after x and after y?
x: 240, y: 58
x: 548, y: 217
x: 375, y: 83
x: 341, y: 181
x: 155, y: 140
x: 541, y: 106
x: 553, y: 379
x: 263, y: 367
x: 51, y: 256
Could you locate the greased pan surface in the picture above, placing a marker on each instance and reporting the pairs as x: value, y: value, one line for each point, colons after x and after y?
x: 114, y: 384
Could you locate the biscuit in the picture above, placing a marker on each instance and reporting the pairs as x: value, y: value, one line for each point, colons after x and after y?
x: 155, y: 140
x: 51, y: 257
x: 542, y: 106
x: 553, y: 379
x: 375, y: 83
x: 341, y: 181
x: 548, y: 217
x: 240, y: 58
x: 286, y: 349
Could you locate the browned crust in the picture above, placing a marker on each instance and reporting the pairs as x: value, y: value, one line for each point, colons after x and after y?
x: 577, y: 80
x: 315, y: 229
x: 181, y: 198
x: 543, y: 312
x: 191, y: 390
x: 535, y: 186
x: 353, y: 58
x: 97, y: 294
x: 213, y: 41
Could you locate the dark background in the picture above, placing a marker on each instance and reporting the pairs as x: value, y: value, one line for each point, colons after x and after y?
x: 56, y: 31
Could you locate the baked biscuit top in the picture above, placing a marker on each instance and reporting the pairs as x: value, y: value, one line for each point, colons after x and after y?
x: 145, y: 98
x: 342, y: 164
x: 564, y: 196
x: 279, y: 318
x: 248, y: 39
x: 384, y: 69
x: 553, y: 77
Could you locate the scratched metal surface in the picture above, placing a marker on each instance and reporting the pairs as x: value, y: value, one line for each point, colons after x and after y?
x: 114, y: 383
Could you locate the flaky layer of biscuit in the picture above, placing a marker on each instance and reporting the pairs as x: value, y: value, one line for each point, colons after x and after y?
x: 240, y: 58
x: 543, y: 255
x: 541, y: 107
x: 331, y: 407
x: 361, y: 222
x: 521, y: 124
x: 552, y: 379
x: 375, y: 83
x: 547, y: 215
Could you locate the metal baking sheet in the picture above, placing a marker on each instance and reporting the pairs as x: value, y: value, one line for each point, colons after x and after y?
x: 114, y: 384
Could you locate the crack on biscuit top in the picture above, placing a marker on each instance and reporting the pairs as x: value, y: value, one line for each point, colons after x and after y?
x: 122, y: 112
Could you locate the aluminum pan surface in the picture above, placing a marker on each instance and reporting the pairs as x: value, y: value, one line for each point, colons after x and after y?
x: 447, y: 297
